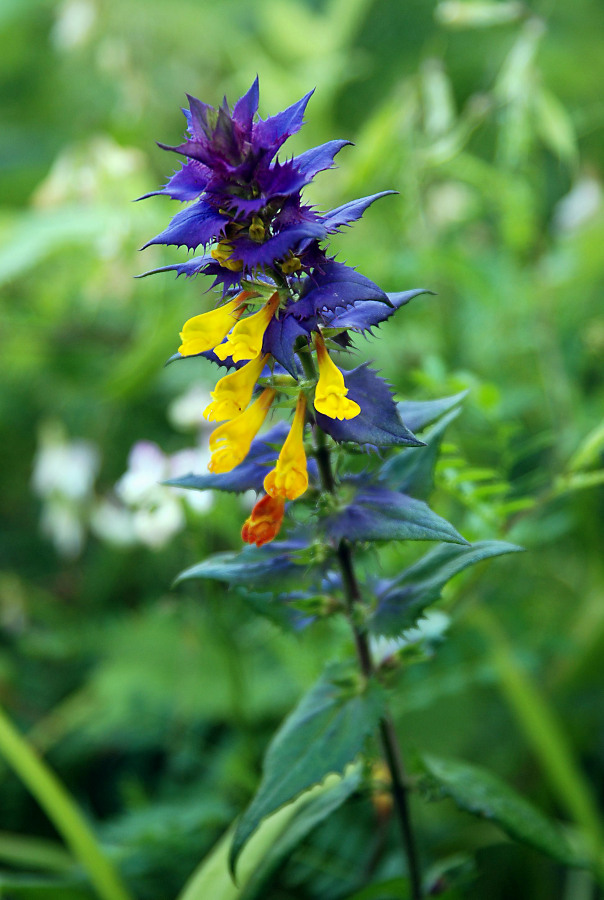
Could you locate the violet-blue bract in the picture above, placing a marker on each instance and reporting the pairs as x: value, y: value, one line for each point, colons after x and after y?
x: 284, y: 305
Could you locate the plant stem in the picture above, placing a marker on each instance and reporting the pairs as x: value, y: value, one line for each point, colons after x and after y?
x: 390, y: 745
x: 352, y: 592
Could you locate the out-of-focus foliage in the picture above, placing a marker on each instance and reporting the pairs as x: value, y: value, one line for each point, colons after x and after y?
x: 154, y: 706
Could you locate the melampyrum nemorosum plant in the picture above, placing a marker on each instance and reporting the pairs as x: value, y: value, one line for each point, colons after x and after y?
x: 284, y: 317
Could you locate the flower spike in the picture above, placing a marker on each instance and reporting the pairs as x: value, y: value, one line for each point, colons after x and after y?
x: 234, y: 391
x: 289, y: 478
x: 204, y: 332
x: 245, y: 340
x: 264, y: 523
x: 330, y: 393
x: 231, y: 442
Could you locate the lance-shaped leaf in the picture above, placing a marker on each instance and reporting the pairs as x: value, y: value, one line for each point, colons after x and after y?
x: 247, y: 106
x: 317, y: 159
x: 332, y: 794
x: 351, y: 211
x: 412, y: 472
x: 186, y: 184
x: 483, y: 794
x: 198, y: 224
x: 275, y: 130
x: 325, y: 732
x: 337, y: 286
x: 362, y: 315
x: 252, y: 566
x: 418, y: 414
x: 378, y: 514
x: 403, y: 600
x: 378, y: 424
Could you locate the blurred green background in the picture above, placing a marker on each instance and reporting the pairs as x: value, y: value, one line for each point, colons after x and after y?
x: 154, y: 705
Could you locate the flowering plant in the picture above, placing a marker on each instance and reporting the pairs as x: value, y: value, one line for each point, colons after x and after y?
x: 285, y: 313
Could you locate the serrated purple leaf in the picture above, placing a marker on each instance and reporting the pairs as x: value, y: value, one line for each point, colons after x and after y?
x: 378, y: 424
x: 350, y: 212
x: 198, y: 224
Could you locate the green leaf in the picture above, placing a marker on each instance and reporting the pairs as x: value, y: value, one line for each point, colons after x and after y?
x: 405, y: 599
x: 34, y: 853
x: 418, y: 414
x: 393, y: 889
x: 312, y: 813
x: 324, y: 733
x: 212, y: 879
x: 263, y: 566
x: 478, y: 13
x: 483, y: 794
x: 412, y: 471
x: 18, y: 887
x: 555, y: 126
x: 589, y: 451
x: 379, y: 514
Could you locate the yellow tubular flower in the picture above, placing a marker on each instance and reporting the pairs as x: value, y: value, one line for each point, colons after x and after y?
x: 245, y: 340
x: 230, y: 442
x: 233, y: 392
x: 330, y: 393
x: 289, y: 478
x: 204, y: 332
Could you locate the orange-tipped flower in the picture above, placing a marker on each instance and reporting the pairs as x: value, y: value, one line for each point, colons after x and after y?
x: 245, y: 340
x: 264, y: 523
x: 204, y: 332
x: 330, y: 393
x: 233, y: 392
x: 289, y: 478
x: 230, y: 442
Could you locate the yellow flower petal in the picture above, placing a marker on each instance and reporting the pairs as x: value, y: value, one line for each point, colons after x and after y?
x: 245, y: 340
x: 331, y: 391
x: 204, y: 332
x: 289, y: 478
x: 233, y: 392
x: 230, y: 443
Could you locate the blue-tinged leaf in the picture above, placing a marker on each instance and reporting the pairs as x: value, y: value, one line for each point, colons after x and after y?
x: 364, y: 314
x: 317, y: 159
x: 186, y: 184
x: 377, y: 514
x: 417, y: 414
x: 480, y: 792
x: 274, y: 131
x: 246, y: 107
x: 337, y: 287
x: 350, y: 212
x: 402, y: 600
x: 325, y: 733
x: 412, y: 472
x: 191, y: 267
x: 195, y: 225
x: 248, y: 475
x: 378, y: 424
x: 276, y: 247
x: 275, y: 562
x: 280, y: 338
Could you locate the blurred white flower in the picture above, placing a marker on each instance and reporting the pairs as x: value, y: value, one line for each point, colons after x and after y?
x: 74, y: 23
x: 156, y: 511
x: 64, y: 467
x: 578, y: 206
x: 63, y: 477
x: 113, y: 523
x: 186, y: 412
